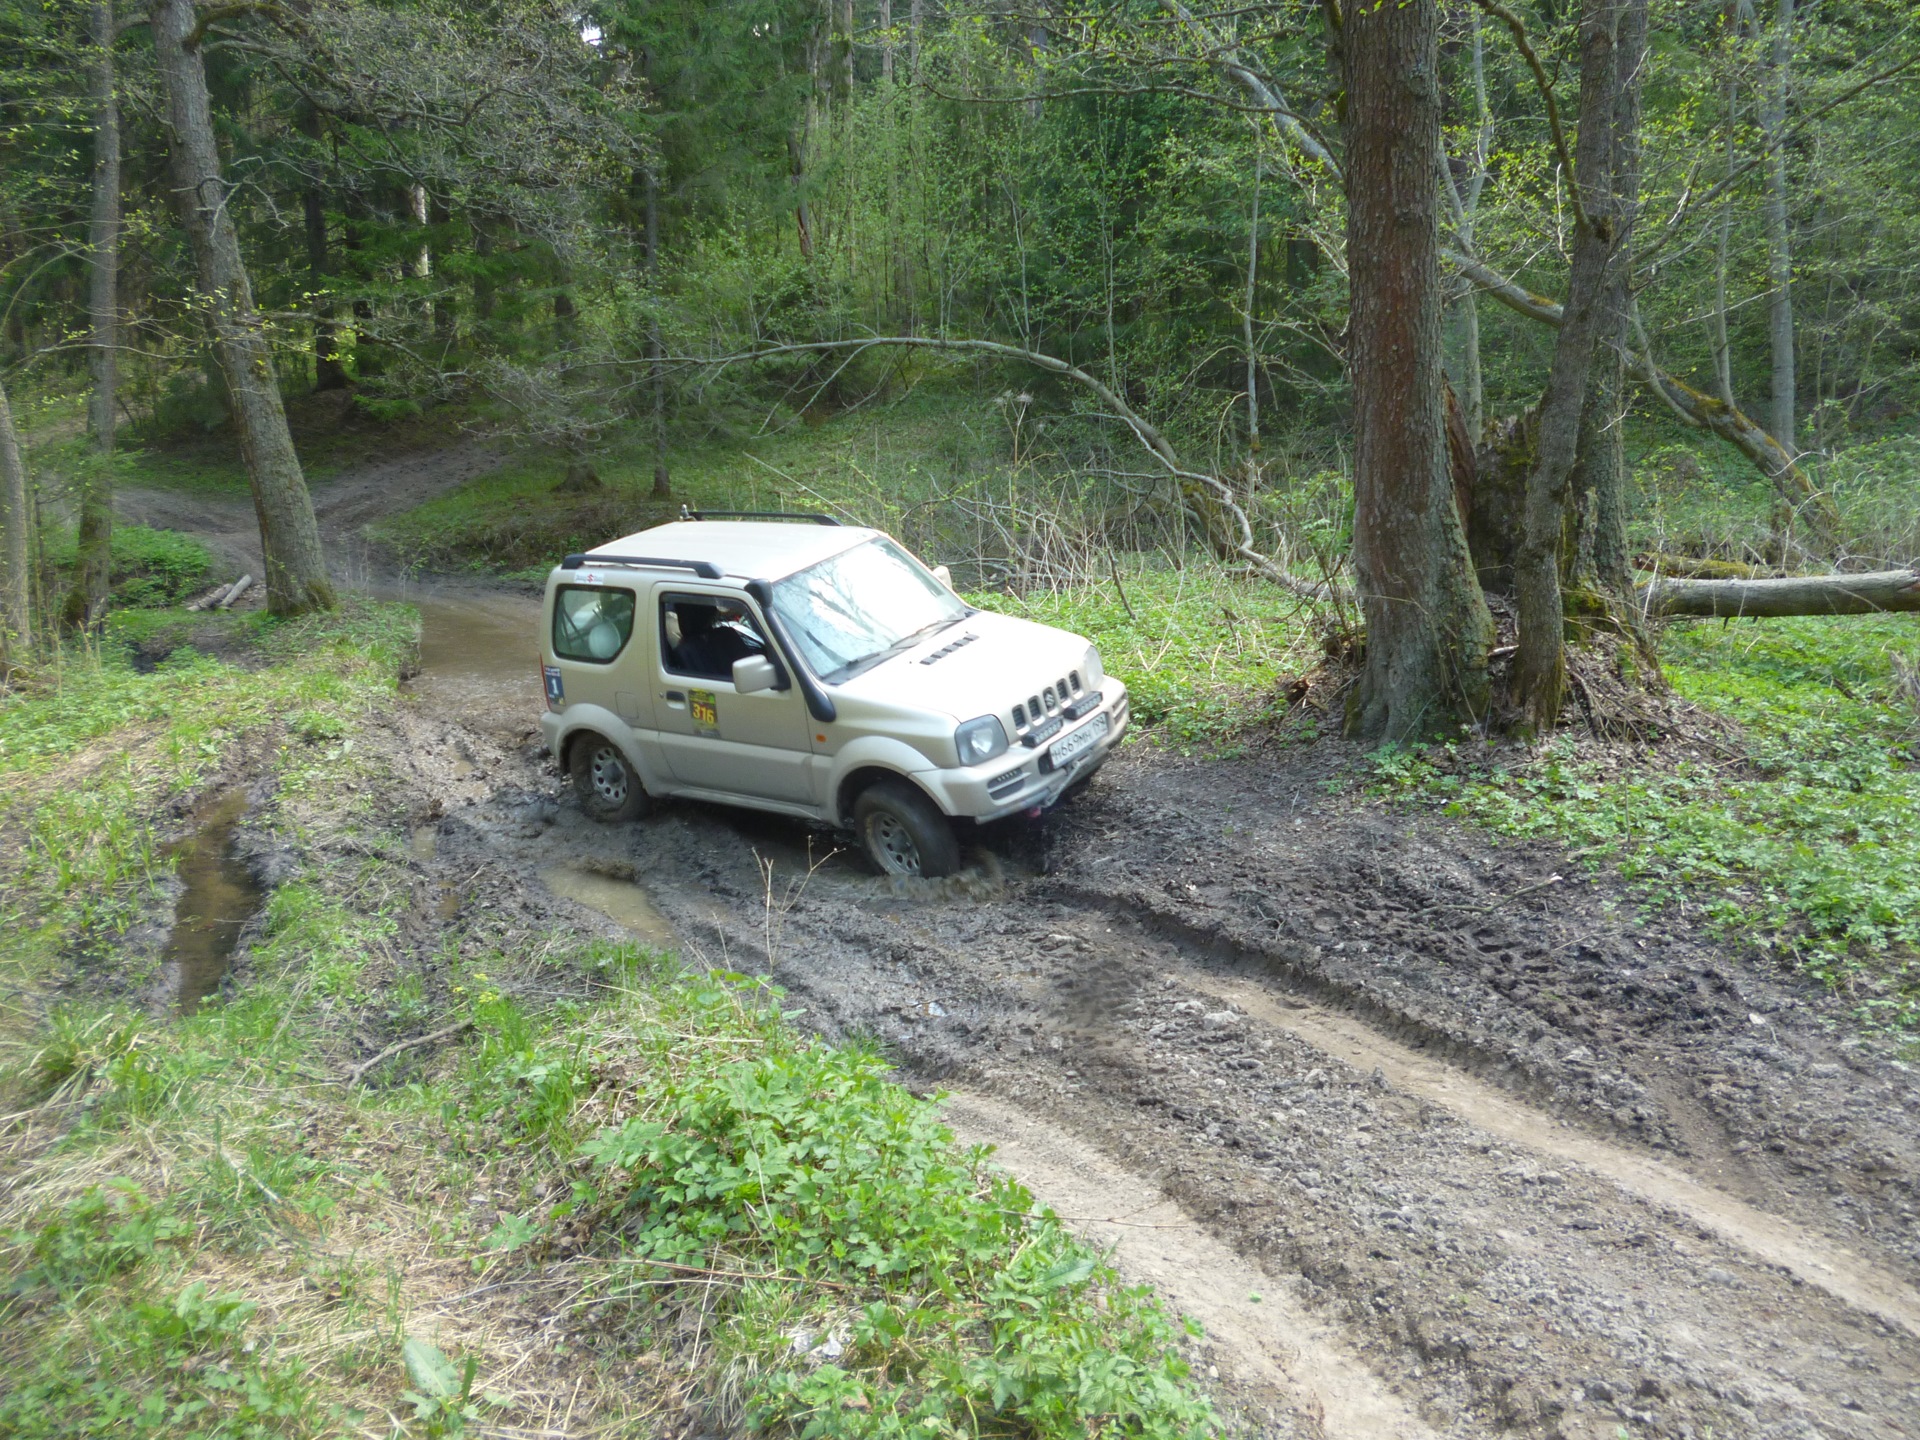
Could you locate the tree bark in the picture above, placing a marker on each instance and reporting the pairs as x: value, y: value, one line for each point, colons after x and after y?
x: 1773, y: 124
x: 1872, y: 594
x: 329, y: 373
x: 94, y: 557
x: 1539, y: 672
x: 1600, y: 576
x: 1428, y: 628
x: 296, y: 571
x: 16, y: 581
x: 656, y: 363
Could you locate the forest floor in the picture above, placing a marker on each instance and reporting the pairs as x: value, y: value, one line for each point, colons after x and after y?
x: 1434, y: 1135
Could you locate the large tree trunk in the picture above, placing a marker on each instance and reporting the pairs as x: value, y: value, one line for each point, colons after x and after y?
x: 1540, y: 665
x: 296, y: 576
x: 1871, y: 594
x: 656, y: 358
x: 16, y: 581
x: 1773, y: 124
x: 1428, y: 629
x: 94, y: 557
x: 1600, y: 575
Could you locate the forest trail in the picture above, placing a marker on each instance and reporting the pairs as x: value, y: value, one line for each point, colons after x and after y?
x: 1497, y: 1154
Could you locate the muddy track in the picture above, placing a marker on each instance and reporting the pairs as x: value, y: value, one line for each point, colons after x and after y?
x: 1495, y: 1153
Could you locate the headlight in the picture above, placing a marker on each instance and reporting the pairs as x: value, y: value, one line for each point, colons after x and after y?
x: 1092, y: 672
x: 978, y: 741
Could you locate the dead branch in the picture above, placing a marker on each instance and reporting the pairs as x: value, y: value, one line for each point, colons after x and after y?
x: 355, y: 1075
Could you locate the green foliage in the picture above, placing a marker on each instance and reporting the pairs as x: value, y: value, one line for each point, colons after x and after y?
x: 150, y: 567
x: 906, y: 1288
x: 1204, y: 653
x: 110, y: 1229
x: 1801, y: 838
x: 179, y: 1368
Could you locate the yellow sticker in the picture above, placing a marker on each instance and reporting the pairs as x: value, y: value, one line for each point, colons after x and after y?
x: 706, y: 714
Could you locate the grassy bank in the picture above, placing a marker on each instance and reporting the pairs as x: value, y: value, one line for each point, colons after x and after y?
x: 610, y: 1189
x: 1798, y: 833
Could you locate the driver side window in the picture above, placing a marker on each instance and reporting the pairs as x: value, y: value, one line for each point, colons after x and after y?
x: 702, y: 635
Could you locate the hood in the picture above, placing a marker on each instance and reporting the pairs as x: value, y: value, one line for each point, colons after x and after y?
x: 1007, y: 660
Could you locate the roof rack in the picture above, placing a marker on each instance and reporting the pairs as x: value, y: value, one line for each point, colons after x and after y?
x: 705, y: 569
x: 816, y: 519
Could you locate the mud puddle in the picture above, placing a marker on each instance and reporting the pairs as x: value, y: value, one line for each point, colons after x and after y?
x: 621, y: 901
x: 220, y: 896
x: 479, y: 653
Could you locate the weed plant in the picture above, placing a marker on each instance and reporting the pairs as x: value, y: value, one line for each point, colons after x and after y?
x: 1802, y: 839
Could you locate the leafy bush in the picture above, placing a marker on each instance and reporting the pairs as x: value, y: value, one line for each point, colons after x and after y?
x: 872, y: 1277
x: 149, y: 567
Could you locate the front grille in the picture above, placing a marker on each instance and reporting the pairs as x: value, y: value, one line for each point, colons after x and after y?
x: 1056, y: 699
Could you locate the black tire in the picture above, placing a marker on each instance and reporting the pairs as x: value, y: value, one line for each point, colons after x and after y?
x: 903, y: 832
x: 605, y: 780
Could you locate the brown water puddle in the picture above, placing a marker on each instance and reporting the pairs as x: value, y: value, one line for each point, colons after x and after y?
x: 479, y: 652
x: 221, y: 895
x: 621, y: 901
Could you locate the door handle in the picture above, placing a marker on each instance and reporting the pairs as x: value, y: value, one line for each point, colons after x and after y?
x: 675, y: 697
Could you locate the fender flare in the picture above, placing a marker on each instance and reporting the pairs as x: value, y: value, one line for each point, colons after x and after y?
x: 578, y: 720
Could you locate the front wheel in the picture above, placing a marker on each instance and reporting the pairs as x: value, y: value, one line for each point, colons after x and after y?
x: 903, y: 832
x: 604, y: 779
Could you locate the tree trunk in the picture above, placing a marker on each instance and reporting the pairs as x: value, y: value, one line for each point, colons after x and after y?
x: 16, y: 582
x: 1773, y: 124
x: 1539, y: 678
x: 296, y: 571
x: 329, y: 373
x: 1872, y: 594
x: 886, y: 40
x: 1428, y: 629
x: 915, y: 14
x: 656, y: 358
x: 1246, y: 319
x: 1600, y: 576
x: 94, y: 552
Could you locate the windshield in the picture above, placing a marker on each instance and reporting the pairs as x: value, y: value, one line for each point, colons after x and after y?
x: 851, y: 612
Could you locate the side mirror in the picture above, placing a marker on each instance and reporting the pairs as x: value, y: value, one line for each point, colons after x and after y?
x: 754, y: 674
x: 943, y: 575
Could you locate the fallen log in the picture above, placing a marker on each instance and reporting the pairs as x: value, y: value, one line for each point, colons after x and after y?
x: 1870, y: 594
x: 1694, y: 567
x: 240, y: 587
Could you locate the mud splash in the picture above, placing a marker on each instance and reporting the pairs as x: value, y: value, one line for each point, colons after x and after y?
x: 221, y: 895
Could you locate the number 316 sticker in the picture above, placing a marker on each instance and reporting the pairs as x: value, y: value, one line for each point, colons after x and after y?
x: 706, y: 714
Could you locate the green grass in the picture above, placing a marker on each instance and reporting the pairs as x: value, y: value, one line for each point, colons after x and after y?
x: 1801, y: 838
x: 1205, y: 653
x: 93, y: 754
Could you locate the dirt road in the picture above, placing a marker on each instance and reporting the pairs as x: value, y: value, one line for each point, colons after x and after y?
x: 1436, y: 1138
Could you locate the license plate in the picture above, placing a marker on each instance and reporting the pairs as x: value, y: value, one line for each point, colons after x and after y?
x: 1079, y: 741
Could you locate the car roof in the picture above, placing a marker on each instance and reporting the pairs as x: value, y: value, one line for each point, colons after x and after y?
x: 746, y: 549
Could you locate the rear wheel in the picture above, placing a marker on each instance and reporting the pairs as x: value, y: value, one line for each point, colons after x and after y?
x: 903, y: 832
x: 605, y: 780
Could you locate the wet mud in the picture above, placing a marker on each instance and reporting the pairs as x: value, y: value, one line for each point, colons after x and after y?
x: 219, y: 895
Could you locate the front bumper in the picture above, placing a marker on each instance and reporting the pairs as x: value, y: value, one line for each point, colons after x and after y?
x: 1023, y: 779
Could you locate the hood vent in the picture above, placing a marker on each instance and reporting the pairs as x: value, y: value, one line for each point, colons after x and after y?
x: 948, y: 649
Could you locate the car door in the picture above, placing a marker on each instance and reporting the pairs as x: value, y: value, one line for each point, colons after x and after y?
x: 757, y: 746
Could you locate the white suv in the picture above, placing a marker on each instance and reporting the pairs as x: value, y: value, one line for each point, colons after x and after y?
x: 817, y: 670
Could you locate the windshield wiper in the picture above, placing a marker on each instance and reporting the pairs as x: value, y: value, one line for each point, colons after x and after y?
x: 904, y: 643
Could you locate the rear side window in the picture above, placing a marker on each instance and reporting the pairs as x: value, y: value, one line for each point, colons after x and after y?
x: 591, y: 622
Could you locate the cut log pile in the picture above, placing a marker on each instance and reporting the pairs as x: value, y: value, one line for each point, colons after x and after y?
x: 221, y: 597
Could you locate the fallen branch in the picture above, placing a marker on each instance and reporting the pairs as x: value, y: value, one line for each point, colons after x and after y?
x: 240, y: 587
x: 1872, y: 594
x: 1701, y: 411
x: 355, y: 1075
x: 1228, y: 526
